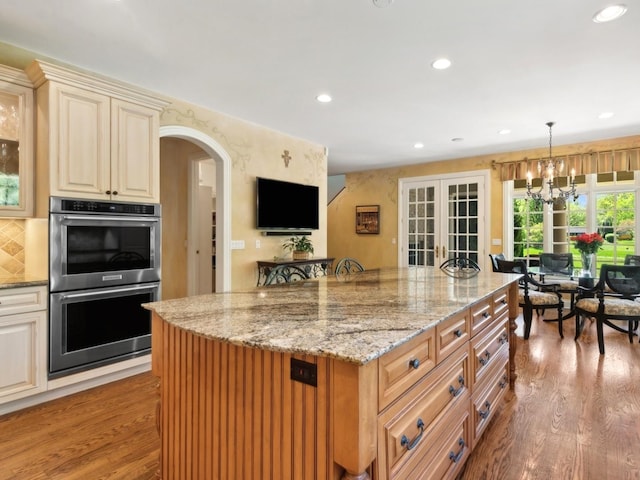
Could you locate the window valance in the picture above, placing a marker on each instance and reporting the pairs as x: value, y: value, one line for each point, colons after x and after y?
x: 583, y: 163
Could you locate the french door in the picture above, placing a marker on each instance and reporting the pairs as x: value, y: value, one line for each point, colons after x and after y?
x: 442, y: 218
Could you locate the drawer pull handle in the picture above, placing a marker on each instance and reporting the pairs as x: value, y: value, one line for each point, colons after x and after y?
x: 503, y: 383
x: 486, y: 315
x: 411, y: 444
x: 455, y: 392
x: 485, y: 413
x: 503, y: 301
x: 504, y: 338
x: 484, y: 360
x: 414, y: 363
x: 455, y: 457
x: 458, y: 333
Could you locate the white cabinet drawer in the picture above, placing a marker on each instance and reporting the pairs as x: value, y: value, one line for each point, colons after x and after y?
x: 23, y: 299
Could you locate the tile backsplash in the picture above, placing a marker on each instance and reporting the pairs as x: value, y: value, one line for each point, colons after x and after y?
x: 12, y: 251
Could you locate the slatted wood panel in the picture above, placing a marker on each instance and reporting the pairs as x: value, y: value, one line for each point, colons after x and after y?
x: 230, y: 412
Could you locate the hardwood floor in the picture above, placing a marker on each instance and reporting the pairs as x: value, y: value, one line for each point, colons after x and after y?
x: 573, y: 415
x: 107, y: 432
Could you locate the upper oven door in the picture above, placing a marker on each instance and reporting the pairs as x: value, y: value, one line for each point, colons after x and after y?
x: 100, y: 250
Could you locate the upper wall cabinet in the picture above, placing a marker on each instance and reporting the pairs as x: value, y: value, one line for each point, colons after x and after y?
x: 97, y: 138
x: 16, y: 143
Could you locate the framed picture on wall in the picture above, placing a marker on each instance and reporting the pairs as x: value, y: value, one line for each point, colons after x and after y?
x: 368, y: 219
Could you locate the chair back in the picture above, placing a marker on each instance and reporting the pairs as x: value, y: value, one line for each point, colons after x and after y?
x: 348, y: 265
x: 558, y: 263
x: 285, y: 274
x: 511, y: 266
x: 632, y: 260
x: 494, y: 260
x: 621, y: 279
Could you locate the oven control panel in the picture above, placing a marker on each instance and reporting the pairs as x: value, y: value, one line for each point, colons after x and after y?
x: 65, y: 205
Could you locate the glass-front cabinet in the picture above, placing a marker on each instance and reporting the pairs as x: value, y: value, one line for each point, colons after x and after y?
x: 16, y: 143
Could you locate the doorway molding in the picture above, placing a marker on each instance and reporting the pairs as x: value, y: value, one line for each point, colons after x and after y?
x: 223, y: 196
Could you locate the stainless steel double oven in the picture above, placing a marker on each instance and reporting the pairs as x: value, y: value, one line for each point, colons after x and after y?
x: 104, y: 262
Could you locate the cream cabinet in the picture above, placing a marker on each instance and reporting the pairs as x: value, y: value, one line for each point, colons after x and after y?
x: 97, y: 138
x: 23, y: 342
x: 16, y: 143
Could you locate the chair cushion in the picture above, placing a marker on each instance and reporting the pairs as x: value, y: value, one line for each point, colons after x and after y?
x: 570, y: 285
x: 539, y: 298
x: 612, y: 306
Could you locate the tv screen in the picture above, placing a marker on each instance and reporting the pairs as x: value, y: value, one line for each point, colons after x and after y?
x: 285, y: 205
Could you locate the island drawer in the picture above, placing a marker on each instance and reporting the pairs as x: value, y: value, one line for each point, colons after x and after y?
x: 486, y: 401
x: 500, y: 302
x: 405, y: 429
x: 481, y: 315
x: 445, y: 449
x: 486, y: 347
x: 452, y: 333
x: 399, y: 369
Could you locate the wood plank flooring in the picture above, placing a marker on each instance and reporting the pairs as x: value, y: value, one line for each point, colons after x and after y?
x: 108, y: 432
x: 573, y: 415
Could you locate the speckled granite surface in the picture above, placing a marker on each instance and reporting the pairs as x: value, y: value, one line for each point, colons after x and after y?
x: 21, y: 281
x: 355, y: 319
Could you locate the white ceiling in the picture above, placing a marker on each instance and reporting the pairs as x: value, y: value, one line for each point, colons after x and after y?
x: 516, y: 65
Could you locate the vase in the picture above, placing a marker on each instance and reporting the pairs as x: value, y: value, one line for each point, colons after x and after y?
x: 588, y: 264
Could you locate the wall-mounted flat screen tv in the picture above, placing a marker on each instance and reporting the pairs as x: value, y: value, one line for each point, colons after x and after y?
x: 286, y: 206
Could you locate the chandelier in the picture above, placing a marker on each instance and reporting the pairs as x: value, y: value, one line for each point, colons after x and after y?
x: 549, y: 171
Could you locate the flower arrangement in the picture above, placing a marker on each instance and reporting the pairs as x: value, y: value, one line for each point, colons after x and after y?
x: 589, y: 242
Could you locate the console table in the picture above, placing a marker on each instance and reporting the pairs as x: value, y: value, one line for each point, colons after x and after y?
x: 313, y: 267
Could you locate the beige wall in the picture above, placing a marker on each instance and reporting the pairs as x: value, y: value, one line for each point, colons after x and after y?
x: 380, y: 187
x: 255, y: 151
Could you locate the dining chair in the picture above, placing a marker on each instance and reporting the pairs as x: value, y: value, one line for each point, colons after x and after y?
x: 460, y: 267
x: 614, y: 297
x: 348, y: 265
x: 285, y: 274
x: 558, y: 268
x: 533, y: 295
x: 632, y: 260
x: 494, y: 260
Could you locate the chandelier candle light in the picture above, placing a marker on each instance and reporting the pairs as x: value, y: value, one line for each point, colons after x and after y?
x: 549, y: 170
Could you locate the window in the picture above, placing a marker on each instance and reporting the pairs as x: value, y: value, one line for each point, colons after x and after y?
x: 606, y: 204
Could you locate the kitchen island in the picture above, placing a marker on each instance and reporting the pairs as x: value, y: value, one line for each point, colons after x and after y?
x: 387, y: 373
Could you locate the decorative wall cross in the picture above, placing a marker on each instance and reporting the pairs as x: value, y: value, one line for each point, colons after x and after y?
x: 286, y: 157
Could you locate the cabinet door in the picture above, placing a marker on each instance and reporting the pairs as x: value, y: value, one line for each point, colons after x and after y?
x: 16, y: 144
x: 22, y: 355
x: 79, y: 142
x: 135, y: 152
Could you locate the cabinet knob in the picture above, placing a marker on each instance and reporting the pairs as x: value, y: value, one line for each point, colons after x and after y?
x: 108, y: 192
x: 115, y: 192
x: 414, y: 363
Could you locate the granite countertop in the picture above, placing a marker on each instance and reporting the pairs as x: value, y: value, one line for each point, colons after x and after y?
x: 355, y: 319
x: 18, y: 281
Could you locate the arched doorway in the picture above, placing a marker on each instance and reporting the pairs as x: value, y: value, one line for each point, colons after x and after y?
x: 223, y: 187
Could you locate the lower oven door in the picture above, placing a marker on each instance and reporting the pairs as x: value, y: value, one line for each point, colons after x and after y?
x: 91, y: 328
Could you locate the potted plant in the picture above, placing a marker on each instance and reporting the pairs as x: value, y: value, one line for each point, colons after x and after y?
x: 300, y: 246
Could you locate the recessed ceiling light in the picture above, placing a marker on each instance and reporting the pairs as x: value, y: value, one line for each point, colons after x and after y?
x: 606, y: 115
x: 324, y: 98
x: 418, y: 145
x: 610, y: 13
x: 457, y: 139
x: 441, y: 64
x: 504, y: 131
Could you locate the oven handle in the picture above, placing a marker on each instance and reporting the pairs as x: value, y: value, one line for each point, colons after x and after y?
x: 103, y: 291
x: 101, y: 218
